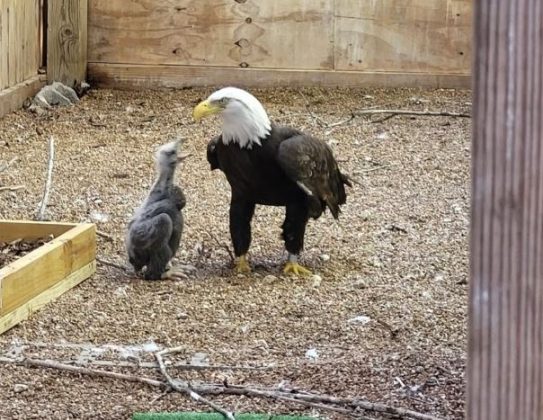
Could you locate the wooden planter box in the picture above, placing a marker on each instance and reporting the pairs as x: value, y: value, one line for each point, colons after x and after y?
x: 37, y: 278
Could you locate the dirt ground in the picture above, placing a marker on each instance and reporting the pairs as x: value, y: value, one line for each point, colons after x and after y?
x: 384, y: 320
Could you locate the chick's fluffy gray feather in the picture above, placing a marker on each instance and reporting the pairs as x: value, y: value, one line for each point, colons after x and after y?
x: 154, y: 232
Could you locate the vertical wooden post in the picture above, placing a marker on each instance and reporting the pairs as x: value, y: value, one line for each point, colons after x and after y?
x: 505, y: 372
x: 66, y: 41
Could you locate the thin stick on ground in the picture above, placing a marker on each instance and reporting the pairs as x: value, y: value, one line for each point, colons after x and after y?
x: 365, y: 405
x: 41, y: 211
x: 377, y: 168
x: 222, y: 245
x: 279, y: 395
x: 152, y: 365
x: 78, y: 370
x: 105, y: 235
x: 12, y: 188
x: 184, y: 387
x: 298, y: 397
x: 315, y: 118
x: 112, y: 264
x: 395, y: 112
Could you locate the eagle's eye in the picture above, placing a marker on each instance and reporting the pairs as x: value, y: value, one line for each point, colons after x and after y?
x: 223, y: 101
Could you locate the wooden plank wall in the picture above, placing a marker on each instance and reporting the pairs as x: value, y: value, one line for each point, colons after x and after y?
x: 19, y: 41
x: 334, y: 42
x: 505, y: 372
x: 67, y: 41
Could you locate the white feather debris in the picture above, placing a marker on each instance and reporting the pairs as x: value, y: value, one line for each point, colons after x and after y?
x: 312, y: 354
x: 200, y: 359
x: 361, y: 319
x: 98, y: 217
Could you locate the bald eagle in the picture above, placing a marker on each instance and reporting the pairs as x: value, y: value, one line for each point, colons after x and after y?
x: 271, y: 165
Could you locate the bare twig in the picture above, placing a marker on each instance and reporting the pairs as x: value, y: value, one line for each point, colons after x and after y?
x: 41, y: 211
x: 391, y: 113
x: 345, y: 121
x: 152, y: 365
x: 279, y: 395
x: 365, y: 405
x: 159, y: 397
x: 222, y: 245
x: 184, y: 387
x: 315, y: 118
x: 12, y: 188
x: 52, y: 364
x: 395, y: 112
x: 385, y: 118
x: 308, y: 399
x: 112, y: 264
x: 105, y: 235
x: 332, y: 126
x: 5, y: 166
x: 377, y: 168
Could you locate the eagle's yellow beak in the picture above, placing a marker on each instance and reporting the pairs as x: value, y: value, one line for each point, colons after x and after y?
x: 204, y: 109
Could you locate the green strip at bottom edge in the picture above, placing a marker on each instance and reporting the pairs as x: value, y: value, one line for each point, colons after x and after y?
x: 214, y: 416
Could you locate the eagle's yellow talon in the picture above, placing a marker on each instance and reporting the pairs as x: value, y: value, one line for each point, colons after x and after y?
x: 296, y: 269
x: 242, y: 266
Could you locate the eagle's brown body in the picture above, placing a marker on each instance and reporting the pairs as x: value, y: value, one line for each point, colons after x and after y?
x: 271, y: 174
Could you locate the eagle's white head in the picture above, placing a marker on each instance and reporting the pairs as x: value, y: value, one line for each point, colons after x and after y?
x: 245, y: 120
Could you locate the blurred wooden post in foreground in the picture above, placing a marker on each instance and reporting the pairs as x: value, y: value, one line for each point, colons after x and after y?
x: 505, y: 371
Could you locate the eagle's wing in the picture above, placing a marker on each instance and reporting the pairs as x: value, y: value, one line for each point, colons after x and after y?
x: 212, y: 153
x: 310, y: 163
x: 146, y: 233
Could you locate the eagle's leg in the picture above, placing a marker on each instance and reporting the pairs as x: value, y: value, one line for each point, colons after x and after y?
x: 293, y: 235
x: 241, y: 213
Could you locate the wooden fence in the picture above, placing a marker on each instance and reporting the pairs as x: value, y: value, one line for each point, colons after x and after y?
x: 51, y: 34
x: 21, y: 42
x: 290, y: 42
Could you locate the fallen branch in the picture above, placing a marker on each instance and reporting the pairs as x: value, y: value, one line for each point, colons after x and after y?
x: 152, y: 365
x: 184, y: 387
x: 41, y: 211
x: 303, y: 397
x: 112, y: 264
x: 6, y: 166
x: 279, y: 395
x: 365, y: 405
x: 391, y: 114
x: 294, y: 396
x: 52, y: 364
x: 12, y: 188
x: 395, y: 112
x: 105, y: 235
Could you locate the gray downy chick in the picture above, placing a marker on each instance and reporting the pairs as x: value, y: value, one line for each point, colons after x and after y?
x: 155, y: 230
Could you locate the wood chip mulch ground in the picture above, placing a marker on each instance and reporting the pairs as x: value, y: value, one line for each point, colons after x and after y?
x: 384, y: 318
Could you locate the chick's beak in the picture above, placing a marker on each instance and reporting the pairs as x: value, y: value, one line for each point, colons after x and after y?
x: 182, y: 157
x: 204, y: 109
